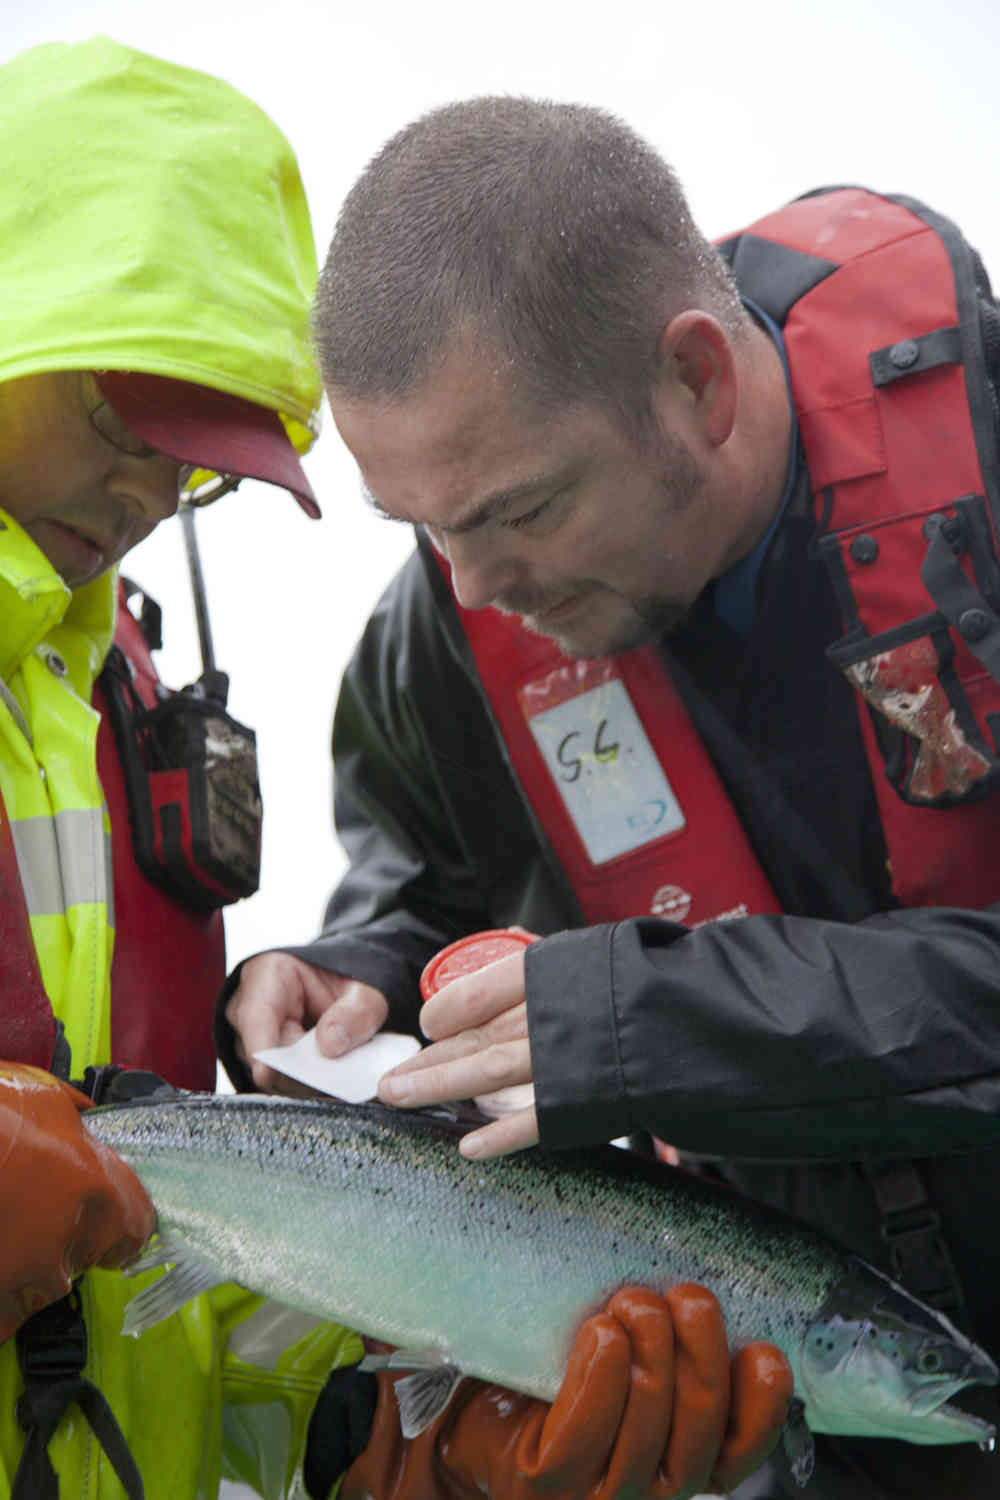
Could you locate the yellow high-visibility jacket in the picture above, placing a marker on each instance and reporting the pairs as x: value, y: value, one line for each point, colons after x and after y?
x: 151, y: 218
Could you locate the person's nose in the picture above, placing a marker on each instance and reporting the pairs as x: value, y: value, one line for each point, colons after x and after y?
x: 149, y: 486
x: 481, y: 568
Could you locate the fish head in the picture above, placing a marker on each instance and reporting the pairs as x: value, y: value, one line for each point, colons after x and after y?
x: 877, y: 1362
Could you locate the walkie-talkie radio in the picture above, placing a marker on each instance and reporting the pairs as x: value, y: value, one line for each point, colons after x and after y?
x: 190, y: 768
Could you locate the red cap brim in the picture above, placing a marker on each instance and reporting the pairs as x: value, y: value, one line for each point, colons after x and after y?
x: 195, y: 424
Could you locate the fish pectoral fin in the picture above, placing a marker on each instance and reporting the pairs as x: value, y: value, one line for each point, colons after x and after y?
x: 191, y: 1274
x: 161, y: 1250
x: 797, y: 1442
x: 423, y: 1394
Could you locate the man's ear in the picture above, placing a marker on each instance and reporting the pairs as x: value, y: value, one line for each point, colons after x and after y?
x: 696, y: 360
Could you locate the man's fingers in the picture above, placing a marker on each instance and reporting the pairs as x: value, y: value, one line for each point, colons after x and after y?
x: 511, y: 1026
x: 268, y: 1000
x: 280, y: 997
x: 482, y: 1072
x: 475, y: 998
x: 466, y: 1044
x: 353, y: 1018
x: 513, y: 1132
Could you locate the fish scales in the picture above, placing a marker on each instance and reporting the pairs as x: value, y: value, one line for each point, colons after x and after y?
x: 371, y: 1218
x: 395, y: 1230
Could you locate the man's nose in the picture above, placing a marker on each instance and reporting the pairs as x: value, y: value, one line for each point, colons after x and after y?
x: 480, y: 568
x: 149, y: 485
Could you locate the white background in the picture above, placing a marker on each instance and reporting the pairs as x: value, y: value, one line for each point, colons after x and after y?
x: 754, y: 101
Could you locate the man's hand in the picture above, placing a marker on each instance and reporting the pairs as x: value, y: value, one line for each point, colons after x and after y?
x: 280, y: 997
x: 650, y: 1405
x: 479, y: 1025
x: 66, y: 1202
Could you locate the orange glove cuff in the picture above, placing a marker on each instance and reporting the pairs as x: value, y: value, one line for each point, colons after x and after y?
x: 67, y: 1201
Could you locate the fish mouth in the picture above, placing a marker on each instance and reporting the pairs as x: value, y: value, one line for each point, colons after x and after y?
x: 960, y: 1424
x: 935, y: 1399
x: 931, y: 1407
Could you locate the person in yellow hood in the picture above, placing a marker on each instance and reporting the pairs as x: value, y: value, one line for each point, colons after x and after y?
x: 154, y: 344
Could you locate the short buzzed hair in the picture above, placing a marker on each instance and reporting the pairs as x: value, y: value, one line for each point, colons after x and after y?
x: 549, y: 232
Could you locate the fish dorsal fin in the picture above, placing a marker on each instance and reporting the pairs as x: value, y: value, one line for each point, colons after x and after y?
x: 191, y: 1275
x: 423, y: 1394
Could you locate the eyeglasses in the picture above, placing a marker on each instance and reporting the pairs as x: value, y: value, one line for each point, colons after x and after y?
x: 195, y: 486
x: 200, y: 487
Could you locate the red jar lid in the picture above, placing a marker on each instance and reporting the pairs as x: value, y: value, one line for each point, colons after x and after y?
x: 469, y: 954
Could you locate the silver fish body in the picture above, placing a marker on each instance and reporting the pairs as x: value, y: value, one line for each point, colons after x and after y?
x: 371, y: 1218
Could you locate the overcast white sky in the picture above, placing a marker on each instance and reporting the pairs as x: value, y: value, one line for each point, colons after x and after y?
x: 752, y: 102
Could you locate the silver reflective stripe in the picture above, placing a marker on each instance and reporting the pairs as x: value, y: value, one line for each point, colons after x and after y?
x: 63, y: 860
x: 16, y: 712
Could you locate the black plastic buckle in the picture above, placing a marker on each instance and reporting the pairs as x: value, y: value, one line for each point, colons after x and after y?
x: 922, y: 1261
x: 911, y: 1229
x: 52, y: 1344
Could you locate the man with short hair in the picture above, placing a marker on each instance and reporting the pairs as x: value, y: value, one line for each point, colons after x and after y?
x: 694, y: 673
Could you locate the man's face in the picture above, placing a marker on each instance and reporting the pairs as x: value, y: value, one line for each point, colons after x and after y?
x: 84, y: 500
x: 558, y: 517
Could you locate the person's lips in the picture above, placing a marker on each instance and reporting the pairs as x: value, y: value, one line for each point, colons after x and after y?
x: 539, y: 611
x: 72, y: 536
x: 554, y: 613
x: 553, y: 618
x: 79, y: 554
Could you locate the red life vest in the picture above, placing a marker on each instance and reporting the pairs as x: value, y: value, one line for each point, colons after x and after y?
x: 169, y: 961
x: 29, y: 1026
x: 889, y: 384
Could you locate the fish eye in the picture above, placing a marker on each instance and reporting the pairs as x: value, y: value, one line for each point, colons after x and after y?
x: 929, y: 1362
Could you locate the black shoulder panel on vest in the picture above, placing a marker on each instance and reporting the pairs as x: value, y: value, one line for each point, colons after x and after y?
x: 772, y: 275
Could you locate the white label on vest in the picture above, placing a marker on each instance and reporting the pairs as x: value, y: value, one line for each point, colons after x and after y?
x: 607, y: 772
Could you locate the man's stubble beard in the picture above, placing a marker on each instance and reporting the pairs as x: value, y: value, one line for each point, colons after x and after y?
x: 651, y: 617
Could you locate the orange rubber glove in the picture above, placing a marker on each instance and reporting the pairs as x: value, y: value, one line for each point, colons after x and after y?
x: 650, y: 1404
x: 66, y: 1202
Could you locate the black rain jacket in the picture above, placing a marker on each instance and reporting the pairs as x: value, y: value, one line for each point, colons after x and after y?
x: 790, y: 1054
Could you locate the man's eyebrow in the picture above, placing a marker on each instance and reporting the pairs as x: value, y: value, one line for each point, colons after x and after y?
x: 489, y: 509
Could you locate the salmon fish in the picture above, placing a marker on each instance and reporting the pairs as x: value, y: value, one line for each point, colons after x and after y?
x: 370, y: 1218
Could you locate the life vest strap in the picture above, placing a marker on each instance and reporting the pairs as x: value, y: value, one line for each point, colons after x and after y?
x: 911, y: 1228
x: 52, y: 1350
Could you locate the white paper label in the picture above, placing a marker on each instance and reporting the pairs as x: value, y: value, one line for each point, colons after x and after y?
x: 354, y: 1076
x: 607, y: 772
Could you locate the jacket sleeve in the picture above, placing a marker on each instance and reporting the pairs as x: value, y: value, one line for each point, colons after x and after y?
x: 772, y: 1037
